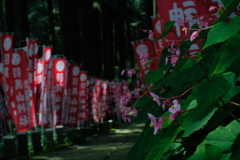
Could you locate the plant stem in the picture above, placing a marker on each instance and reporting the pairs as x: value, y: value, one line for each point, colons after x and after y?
x: 229, y: 112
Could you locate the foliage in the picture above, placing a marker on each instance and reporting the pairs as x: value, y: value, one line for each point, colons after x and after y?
x: 191, y: 108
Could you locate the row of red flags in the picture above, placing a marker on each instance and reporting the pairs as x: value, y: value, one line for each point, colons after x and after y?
x: 50, y: 91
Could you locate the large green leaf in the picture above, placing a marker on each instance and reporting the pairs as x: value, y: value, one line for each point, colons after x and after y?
x: 230, y: 54
x: 143, y: 101
x: 236, y: 147
x: 168, y: 27
x: 207, y: 152
x: 222, y: 137
x: 153, y: 76
x: 223, y: 30
x: 162, y: 146
x: 195, y: 119
x: 207, y: 92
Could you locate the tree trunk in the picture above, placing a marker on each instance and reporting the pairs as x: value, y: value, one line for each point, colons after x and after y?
x: 70, y: 34
x: 52, y: 39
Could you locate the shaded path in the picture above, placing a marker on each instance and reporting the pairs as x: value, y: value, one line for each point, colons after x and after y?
x: 110, y: 146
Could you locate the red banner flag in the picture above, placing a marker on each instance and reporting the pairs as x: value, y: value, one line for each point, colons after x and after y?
x: 43, y: 106
x: 71, y: 108
x: 83, y: 111
x: 20, y: 85
x: 144, y: 50
x: 59, y: 82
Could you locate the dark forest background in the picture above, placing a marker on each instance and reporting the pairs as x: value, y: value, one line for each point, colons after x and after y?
x: 95, y: 33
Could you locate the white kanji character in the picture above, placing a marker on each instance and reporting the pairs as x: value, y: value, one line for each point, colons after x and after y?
x: 188, y: 12
x: 20, y: 97
x: 75, y: 81
x: 59, y: 77
x: 6, y: 73
x: 74, y: 101
x: 82, y: 92
x: 83, y: 85
x: 73, y: 109
x: 176, y: 14
x: 6, y: 59
x: 74, y: 91
x: 30, y: 64
x: 17, y: 73
x: 18, y: 84
x: 72, y: 119
x: 23, y: 121
x: 21, y: 108
x: 30, y: 77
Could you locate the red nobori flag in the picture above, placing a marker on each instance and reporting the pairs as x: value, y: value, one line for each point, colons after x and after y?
x: 71, y: 108
x: 144, y: 50
x: 23, y: 101
x: 83, y: 98
x: 104, y: 99
x: 182, y: 12
x: 43, y: 107
x: 6, y: 48
x: 59, y: 81
x: 96, y: 99
x: 90, y: 95
x: 32, y: 55
x: 157, y: 30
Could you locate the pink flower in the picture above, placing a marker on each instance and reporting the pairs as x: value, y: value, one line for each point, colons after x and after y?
x: 131, y: 72
x: 156, y: 98
x: 157, y: 124
x: 173, y: 116
x: 127, y: 98
x: 178, y: 51
x: 166, y: 60
x: 194, y: 35
x: 135, y: 112
x: 174, y: 60
x: 175, y: 107
x: 136, y: 91
x: 166, y: 103
x: 127, y: 119
x: 212, y: 8
x: 122, y: 73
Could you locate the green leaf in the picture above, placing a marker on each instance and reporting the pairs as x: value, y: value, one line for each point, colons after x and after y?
x: 236, y: 147
x: 162, y: 146
x: 223, y: 30
x: 153, y: 76
x: 222, y: 137
x: 230, y: 54
x: 195, y: 119
x: 213, y: 152
x: 207, y: 92
x: 207, y: 152
x: 142, y: 116
x: 168, y: 27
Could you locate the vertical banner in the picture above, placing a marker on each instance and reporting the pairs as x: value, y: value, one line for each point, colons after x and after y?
x: 71, y: 108
x: 144, y: 50
x: 43, y: 110
x: 83, y: 110
x: 104, y: 99
x: 59, y: 80
x: 96, y: 100
x: 32, y: 56
x: 19, y: 77
x: 157, y: 31
x: 6, y: 49
x: 90, y: 95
